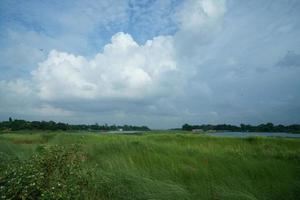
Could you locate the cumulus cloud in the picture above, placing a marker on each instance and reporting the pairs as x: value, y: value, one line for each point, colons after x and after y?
x: 200, y: 71
x: 123, y: 70
x: 29, y: 30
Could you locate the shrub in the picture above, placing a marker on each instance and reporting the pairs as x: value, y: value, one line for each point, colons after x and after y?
x: 52, y: 173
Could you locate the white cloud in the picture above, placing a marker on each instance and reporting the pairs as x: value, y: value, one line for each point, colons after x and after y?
x: 20, y: 97
x: 199, y: 23
x: 203, y: 73
x: 123, y: 70
x: 18, y: 87
x: 16, y: 96
x: 197, y: 15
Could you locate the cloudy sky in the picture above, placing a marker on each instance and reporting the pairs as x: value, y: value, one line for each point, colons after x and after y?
x: 159, y: 63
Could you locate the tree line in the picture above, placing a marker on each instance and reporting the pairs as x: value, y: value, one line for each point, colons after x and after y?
x: 268, y: 127
x: 19, y: 124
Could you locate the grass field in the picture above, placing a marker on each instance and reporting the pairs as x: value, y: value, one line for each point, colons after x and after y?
x: 156, y: 165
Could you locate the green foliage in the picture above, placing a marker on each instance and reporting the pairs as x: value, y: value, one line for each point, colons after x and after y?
x: 16, y: 125
x: 52, y: 173
x: 126, y: 185
x: 268, y: 127
x: 158, y: 166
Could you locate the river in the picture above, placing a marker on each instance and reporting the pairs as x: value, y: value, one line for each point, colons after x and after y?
x: 249, y: 134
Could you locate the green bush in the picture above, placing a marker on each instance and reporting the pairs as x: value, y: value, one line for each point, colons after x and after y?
x: 53, y: 173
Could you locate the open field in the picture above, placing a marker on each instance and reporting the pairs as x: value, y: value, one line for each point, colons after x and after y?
x: 155, y: 165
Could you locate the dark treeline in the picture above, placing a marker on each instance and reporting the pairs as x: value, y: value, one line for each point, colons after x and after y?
x: 268, y: 127
x: 18, y: 124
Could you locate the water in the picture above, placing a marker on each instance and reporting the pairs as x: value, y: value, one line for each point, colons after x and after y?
x: 249, y: 134
x: 126, y: 132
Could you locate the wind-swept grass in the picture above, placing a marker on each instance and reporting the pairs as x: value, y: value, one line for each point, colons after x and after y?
x: 168, y: 166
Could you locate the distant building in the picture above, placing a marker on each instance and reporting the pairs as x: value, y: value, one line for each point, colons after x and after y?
x: 120, y: 129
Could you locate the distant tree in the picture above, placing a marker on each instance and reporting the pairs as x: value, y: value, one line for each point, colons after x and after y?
x: 268, y: 127
x: 187, y: 127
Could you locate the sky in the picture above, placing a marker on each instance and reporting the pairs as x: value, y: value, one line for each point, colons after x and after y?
x: 160, y: 63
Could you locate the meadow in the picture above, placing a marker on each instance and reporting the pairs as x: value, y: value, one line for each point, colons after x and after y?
x: 153, y: 165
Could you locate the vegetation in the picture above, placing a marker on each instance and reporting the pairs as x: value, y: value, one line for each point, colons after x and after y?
x: 60, y: 165
x: 18, y: 124
x: 54, y: 172
x: 268, y: 127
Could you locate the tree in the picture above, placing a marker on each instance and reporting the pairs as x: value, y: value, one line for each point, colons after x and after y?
x: 187, y: 127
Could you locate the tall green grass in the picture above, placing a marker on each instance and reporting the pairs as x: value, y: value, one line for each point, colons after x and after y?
x: 172, y: 165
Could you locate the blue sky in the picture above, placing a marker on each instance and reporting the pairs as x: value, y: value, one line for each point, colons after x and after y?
x: 158, y: 63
